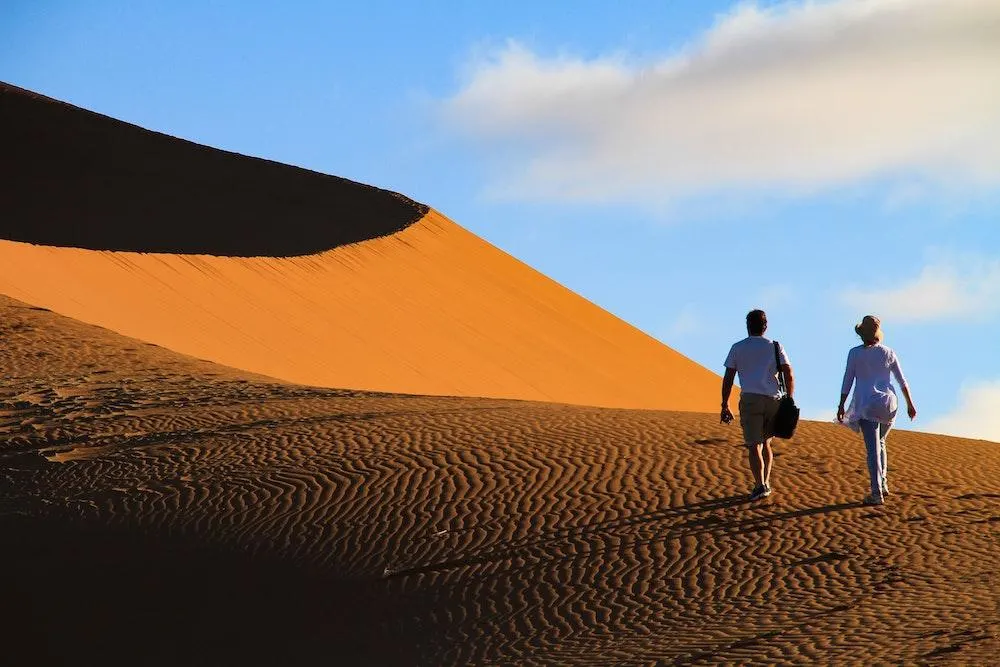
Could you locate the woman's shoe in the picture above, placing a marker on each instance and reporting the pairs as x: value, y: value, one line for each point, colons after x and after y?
x: 872, y: 500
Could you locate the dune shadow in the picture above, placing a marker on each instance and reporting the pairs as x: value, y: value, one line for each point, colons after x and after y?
x: 85, y: 595
x: 109, y: 174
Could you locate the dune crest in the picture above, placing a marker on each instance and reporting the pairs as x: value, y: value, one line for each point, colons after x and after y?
x: 433, y: 309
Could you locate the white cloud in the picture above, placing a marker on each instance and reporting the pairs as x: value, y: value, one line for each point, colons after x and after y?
x: 794, y: 97
x: 965, y: 288
x: 977, y: 414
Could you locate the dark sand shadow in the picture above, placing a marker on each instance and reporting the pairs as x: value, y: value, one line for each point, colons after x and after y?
x: 114, y: 597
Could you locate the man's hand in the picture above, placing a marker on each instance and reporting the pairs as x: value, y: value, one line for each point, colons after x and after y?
x: 840, y: 413
x: 727, y: 391
x: 727, y: 415
x: 912, y: 411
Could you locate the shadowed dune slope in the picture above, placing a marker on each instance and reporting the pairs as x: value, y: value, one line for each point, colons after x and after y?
x: 71, y: 177
x: 162, y: 510
x: 430, y: 310
x: 421, y: 307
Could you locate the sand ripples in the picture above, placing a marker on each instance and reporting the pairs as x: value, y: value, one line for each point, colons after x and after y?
x: 484, y: 531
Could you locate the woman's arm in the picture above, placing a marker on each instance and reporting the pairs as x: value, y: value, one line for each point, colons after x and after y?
x: 845, y: 386
x: 897, y: 372
x: 910, y: 408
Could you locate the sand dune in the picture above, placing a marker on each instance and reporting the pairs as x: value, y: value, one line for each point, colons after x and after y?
x: 158, y: 509
x: 430, y: 310
x: 412, y: 305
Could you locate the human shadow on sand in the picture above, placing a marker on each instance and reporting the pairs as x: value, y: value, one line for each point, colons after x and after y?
x: 599, y: 537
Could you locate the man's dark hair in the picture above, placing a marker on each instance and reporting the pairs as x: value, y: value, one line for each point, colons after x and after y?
x: 756, y: 322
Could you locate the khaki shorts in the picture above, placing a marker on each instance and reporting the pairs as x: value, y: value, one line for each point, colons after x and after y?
x: 757, y: 417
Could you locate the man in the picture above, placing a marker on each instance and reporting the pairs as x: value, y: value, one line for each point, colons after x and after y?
x: 753, y: 359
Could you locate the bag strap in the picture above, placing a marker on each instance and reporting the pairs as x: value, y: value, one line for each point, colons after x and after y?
x: 777, y: 365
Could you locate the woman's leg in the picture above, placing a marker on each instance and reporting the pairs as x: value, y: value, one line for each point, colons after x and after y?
x: 870, y: 431
x: 883, y: 455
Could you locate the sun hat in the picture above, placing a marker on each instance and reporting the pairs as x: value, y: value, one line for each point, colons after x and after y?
x: 870, y: 329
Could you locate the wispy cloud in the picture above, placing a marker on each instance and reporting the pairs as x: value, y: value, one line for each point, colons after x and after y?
x: 794, y: 97
x: 975, y: 416
x: 966, y: 288
x: 685, y: 323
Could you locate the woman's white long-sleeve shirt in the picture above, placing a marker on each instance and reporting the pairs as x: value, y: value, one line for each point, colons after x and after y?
x: 870, y: 370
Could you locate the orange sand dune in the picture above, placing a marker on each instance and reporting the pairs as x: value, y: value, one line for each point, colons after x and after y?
x: 160, y: 510
x: 395, y: 302
x: 430, y: 310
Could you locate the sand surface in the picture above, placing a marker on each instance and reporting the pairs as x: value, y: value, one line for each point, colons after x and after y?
x: 157, y: 509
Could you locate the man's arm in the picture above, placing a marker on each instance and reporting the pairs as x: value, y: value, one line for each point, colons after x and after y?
x: 727, y: 391
x: 786, y: 371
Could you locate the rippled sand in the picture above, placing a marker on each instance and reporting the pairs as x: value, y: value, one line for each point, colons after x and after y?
x: 158, y: 509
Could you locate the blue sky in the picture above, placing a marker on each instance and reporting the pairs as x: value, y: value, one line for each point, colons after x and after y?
x: 678, y: 163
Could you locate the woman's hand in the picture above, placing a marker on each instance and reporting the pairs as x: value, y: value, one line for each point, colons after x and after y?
x: 840, y: 413
x: 912, y: 411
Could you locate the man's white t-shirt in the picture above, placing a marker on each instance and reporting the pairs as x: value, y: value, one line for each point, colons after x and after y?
x: 753, y: 360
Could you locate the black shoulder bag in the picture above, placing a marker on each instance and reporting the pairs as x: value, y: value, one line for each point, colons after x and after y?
x: 788, y: 414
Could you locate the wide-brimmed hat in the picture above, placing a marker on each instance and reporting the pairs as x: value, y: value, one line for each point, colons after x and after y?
x: 870, y: 329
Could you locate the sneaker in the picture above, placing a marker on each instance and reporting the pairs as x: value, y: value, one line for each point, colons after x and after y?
x: 872, y: 500
x: 885, y: 492
x: 767, y: 491
x: 759, y: 492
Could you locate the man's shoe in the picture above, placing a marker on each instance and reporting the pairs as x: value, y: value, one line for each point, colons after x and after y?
x: 872, y: 500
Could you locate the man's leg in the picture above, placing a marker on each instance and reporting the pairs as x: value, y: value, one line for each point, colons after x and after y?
x: 752, y: 421
x: 756, y: 464
x: 767, y: 459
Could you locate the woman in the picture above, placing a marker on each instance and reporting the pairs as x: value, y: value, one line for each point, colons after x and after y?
x: 873, y: 407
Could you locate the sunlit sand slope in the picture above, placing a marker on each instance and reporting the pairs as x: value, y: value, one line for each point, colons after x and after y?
x: 431, y: 310
x: 162, y: 510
